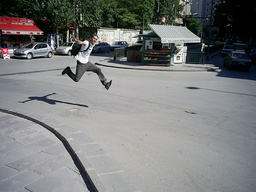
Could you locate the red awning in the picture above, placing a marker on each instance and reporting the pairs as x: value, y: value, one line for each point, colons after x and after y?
x: 11, y: 29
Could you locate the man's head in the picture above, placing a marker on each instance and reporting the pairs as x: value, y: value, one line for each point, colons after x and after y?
x: 94, y: 39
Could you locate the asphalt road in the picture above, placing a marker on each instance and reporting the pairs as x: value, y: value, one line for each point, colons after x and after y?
x: 168, y: 131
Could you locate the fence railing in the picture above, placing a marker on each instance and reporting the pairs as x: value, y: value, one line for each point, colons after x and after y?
x: 195, y: 57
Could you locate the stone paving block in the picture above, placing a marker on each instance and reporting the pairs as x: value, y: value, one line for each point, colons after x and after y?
x: 64, y: 129
x: 4, y: 140
x: 4, y: 117
x: 79, y: 137
x: 18, y: 182
x: 13, y: 155
x: 10, y: 146
x: 55, y: 149
x: 6, y: 129
x: 21, y: 132
x: 34, y: 150
x: 96, y: 181
x: 52, y: 181
x: 84, y: 160
x: 40, y: 145
x: 14, y: 121
x: 29, y: 161
x: 117, y: 182
x: 71, y: 186
x: 20, y: 123
x: 103, y: 164
x: 49, y: 165
x: 6, y: 172
x: 90, y: 150
x: 32, y: 138
x: 52, y: 122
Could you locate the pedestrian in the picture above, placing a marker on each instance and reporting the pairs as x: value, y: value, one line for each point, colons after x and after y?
x: 83, y: 63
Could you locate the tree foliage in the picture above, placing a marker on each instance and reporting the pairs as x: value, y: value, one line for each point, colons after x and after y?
x: 133, y: 14
x: 234, y: 17
x: 170, y: 9
x: 193, y: 25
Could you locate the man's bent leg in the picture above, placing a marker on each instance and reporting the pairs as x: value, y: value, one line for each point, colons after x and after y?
x: 97, y: 70
x: 80, y: 70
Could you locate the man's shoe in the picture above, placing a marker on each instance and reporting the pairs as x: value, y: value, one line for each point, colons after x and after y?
x: 107, y: 85
x: 65, y: 70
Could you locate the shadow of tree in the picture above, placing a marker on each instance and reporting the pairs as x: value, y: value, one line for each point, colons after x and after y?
x: 50, y: 101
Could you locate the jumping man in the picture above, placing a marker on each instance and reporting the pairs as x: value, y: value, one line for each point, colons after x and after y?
x: 83, y: 63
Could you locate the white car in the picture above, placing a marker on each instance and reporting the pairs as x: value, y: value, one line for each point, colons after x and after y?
x: 119, y: 44
x: 65, y: 49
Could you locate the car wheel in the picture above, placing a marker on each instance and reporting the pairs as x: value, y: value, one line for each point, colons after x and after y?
x: 69, y: 53
x: 49, y: 55
x: 29, y: 56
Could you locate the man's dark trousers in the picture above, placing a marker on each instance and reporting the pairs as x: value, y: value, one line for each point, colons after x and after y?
x: 81, y: 68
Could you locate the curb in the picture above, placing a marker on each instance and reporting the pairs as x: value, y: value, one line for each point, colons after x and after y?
x: 104, y: 175
x: 209, y: 69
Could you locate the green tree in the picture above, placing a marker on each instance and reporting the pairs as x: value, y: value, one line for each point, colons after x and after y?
x: 167, y: 8
x: 144, y: 9
x: 127, y: 13
x: 193, y: 25
x: 234, y: 18
x: 109, y: 13
x: 88, y: 13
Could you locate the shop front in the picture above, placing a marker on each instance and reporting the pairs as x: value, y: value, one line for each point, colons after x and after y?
x: 164, y: 46
x: 16, y: 32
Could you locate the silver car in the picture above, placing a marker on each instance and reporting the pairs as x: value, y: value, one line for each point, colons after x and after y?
x: 65, y: 49
x: 34, y: 50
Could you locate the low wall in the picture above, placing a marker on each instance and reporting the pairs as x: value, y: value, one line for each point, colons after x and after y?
x: 110, y: 35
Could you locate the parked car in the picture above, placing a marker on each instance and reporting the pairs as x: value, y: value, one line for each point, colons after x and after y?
x: 119, y: 44
x: 65, y: 49
x: 101, y: 47
x: 227, y: 49
x: 238, y: 60
x: 253, y: 55
x: 34, y: 50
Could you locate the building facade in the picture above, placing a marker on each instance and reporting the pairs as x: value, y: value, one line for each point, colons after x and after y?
x: 204, y: 11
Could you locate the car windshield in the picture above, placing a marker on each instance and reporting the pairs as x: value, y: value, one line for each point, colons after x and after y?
x: 240, y: 55
x: 67, y: 44
x: 29, y: 45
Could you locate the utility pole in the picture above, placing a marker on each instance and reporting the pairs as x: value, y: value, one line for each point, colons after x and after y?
x: 210, y: 33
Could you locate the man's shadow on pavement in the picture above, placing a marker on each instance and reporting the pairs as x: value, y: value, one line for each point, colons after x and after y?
x: 50, y: 101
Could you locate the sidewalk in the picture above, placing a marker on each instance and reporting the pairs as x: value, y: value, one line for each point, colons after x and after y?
x: 123, y: 64
x: 46, y: 155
